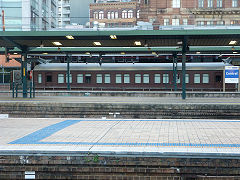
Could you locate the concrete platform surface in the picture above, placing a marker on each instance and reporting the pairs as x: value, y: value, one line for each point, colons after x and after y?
x: 199, y: 136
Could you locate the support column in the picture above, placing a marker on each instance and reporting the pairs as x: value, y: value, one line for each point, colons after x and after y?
x: 184, y: 50
x: 224, y: 85
x: 24, y: 74
x: 68, y: 72
x: 174, y: 71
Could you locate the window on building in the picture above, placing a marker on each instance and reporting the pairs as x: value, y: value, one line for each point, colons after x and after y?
x: 107, y: 78
x: 165, y: 78
x: 210, y: 3
x: 112, y: 15
x: 209, y: 23
x: 99, y: 78
x: 118, y: 78
x: 220, y: 23
x: 130, y: 14
x: 88, y: 78
x: 39, y: 78
x: 49, y: 78
x: 200, y: 23
x: 80, y: 78
x: 234, y: 22
x: 234, y: 3
x: 200, y: 3
x: 218, y: 78
x: 145, y: 78
x: 124, y: 14
x: 138, y: 14
x: 186, y: 78
x: 116, y: 15
x: 166, y: 22
x: 137, y: 78
x: 185, y: 22
x: 196, y: 78
x: 70, y: 78
x: 60, y: 78
x: 95, y: 15
x: 175, y: 22
x: 126, y: 78
x: 146, y: 2
x: 176, y: 4
x: 101, y: 15
x: 109, y: 15
x: 178, y: 79
x: 157, y: 78
x: 205, y: 78
x: 219, y: 3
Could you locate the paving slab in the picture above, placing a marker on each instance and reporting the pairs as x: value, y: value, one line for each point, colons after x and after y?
x: 201, y: 136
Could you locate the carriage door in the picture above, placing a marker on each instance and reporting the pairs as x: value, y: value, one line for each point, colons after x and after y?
x: 218, y: 81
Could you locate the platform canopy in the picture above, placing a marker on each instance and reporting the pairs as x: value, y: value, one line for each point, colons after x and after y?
x: 207, y: 40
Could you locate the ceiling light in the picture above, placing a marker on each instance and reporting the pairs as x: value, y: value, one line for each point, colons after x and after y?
x: 57, y: 43
x: 45, y: 53
x: 122, y: 53
x: 15, y: 53
x: 232, y: 42
x: 235, y: 52
x: 138, y: 43
x: 97, y: 43
x: 70, y: 37
x: 198, y: 52
x: 113, y: 36
x: 87, y: 53
x: 154, y: 53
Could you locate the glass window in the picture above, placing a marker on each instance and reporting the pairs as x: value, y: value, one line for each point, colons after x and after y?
x: 219, y: 3
x: 157, y: 78
x: 126, y: 78
x: 95, y: 15
x: 99, y: 78
x: 118, y: 78
x: 116, y: 15
x: 146, y: 78
x: 178, y: 79
x: 101, y: 15
x: 176, y: 4
x: 185, y: 22
x: 137, y: 78
x: 39, y: 78
x: 130, y: 14
x: 205, y: 78
x: 124, y: 14
x: 186, y: 78
x: 70, y: 78
x: 218, y: 78
x: 146, y: 2
x: 175, y: 22
x: 107, y: 78
x: 166, y: 22
x: 112, y: 15
x: 80, y: 78
x: 165, y: 78
x: 196, y: 78
x: 49, y: 78
x: 210, y: 3
x: 109, y: 15
x: 234, y: 3
x: 60, y: 78
x: 200, y: 3
x: 138, y: 13
x: 88, y: 78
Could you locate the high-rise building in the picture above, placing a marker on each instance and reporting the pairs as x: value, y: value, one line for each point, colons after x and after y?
x: 64, y: 13
x: 29, y: 15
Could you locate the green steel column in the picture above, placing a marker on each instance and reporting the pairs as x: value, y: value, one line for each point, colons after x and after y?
x: 68, y: 73
x: 24, y: 74
x: 174, y: 71
x: 184, y: 50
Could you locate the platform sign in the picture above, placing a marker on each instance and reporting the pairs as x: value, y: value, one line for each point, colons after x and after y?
x: 231, y: 74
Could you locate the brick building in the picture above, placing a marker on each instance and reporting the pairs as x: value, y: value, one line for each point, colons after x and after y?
x: 167, y: 12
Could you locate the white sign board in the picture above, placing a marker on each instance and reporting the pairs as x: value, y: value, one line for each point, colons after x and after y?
x: 231, y: 74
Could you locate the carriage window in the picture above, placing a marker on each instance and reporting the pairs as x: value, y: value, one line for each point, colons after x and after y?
x: 157, y: 78
x: 60, y: 78
x: 88, y: 78
x: 137, y: 78
x: 39, y: 78
x: 218, y: 78
x: 146, y: 78
x: 165, y: 78
x: 99, y: 78
x: 107, y: 79
x: 118, y: 78
x: 49, y: 78
x: 196, y: 78
x: 178, y: 79
x: 70, y: 78
x: 126, y: 78
x: 205, y: 78
x: 186, y: 78
x: 80, y: 78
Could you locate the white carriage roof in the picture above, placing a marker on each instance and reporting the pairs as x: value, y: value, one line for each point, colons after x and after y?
x: 128, y: 66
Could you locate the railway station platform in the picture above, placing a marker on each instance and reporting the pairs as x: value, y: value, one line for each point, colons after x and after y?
x: 120, y: 148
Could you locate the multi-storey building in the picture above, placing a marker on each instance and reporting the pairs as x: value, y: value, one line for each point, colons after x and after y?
x: 122, y: 13
x: 63, y: 13
x: 29, y: 15
x: 167, y: 12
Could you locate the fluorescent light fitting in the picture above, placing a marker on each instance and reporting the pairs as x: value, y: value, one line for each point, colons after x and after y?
x: 57, y: 43
x: 70, y: 37
x: 235, y: 52
x: 15, y: 53
x: 113, y: 36
x: 45, y: 53
x: 198, y: 52
x: 88, y: 53
x: 97, y: 43
x: 138, y: 43
x: 123, y: 53
x: 232, y: 42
